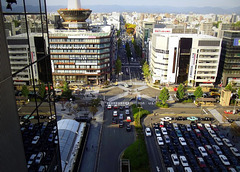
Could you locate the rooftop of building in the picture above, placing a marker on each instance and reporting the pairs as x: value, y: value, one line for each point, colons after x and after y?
x: 70, y: 134
x: 182, y: 35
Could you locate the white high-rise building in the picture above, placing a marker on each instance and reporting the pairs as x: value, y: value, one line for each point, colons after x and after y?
x: 181, y: 58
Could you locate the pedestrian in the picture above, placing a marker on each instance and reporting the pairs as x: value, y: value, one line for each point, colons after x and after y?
x: 233, y: 137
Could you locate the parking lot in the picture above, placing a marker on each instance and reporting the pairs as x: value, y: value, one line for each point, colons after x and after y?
x: 196, y: 145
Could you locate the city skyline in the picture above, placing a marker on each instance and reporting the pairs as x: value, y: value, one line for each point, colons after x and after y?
x: 173, y: 3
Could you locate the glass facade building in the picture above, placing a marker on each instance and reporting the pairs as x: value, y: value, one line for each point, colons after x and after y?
x: 28, y: 115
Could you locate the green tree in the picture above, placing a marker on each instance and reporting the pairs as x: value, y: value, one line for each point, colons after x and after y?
x: 118, y: 66
x: 180, y: 92
x: 95, y: 102
x: 41, y: 90
x: 229, y: 87
x: 118, y: 33
x: 238, y: 93
x: 145, y: 69
x: 93, y: 110
x: 119, y: 42
x: 25, y: 91
x: 67, y: 93
x: 164, y: 95
x: 198, y: 92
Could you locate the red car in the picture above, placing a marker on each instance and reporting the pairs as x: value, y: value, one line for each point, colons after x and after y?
x: 209, y: 149
x: 201, y: 162
x: 115, y: 107
x: 198, y: 132
x: 214, y: 127
x: 199, y: 126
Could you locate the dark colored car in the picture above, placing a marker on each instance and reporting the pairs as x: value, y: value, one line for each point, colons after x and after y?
x: 128, y: 128
x: 121, y: 107
x: 114, y: 120
x: 121, y: 124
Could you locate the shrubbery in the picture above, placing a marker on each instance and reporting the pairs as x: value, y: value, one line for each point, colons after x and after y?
x: 159, y: 104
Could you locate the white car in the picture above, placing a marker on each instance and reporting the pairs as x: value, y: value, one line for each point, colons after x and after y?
x: 187, y: 169
x: 182, y: 141
x: 115, y: 113
x: 217, y: 149
x: 218, y: 141
x: 203, y: 151
x: 170, y: 169
x: 109, y: 106
x: 35, y: 140
x: 39, y: 157
x: 235, y: 151
x: 148, y: 132
x: 164, y: 131
x: 175, y: 126
x: 31, y: 159
x: 183, y: 160
x: 188, y: 127
x: 175, y: 159
x: 227, y: 142
x: 166, y: 118
x: 160, y: 141
x: 207, y: 126
x: 224, y: 159
x: 212, y: 133
x: 157, y: 132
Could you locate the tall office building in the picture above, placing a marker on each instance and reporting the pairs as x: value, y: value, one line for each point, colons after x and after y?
x: 179, y: 58
x: 229, y: 68
x: 81, y: 54
x: 29, y: 135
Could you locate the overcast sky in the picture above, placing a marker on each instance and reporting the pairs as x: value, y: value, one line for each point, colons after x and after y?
x: 175, y: 3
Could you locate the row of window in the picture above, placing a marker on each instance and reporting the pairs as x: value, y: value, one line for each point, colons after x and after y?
x: 81, y: 61
x: 78, y: 71
x: 80, y: 51
x: 81, y: 66
x: 87, y: 40
x: 76, y: 46
x: 82, y: 56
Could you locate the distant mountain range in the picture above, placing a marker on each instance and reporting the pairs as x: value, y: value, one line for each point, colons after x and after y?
x: 154, y: 9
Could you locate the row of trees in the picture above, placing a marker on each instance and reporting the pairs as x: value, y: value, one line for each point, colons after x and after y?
x: 130, y: 28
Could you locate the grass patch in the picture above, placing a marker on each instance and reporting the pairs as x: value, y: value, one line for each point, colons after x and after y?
x: 159, y: 104
x: 137, y: 152
x: 187, y: 101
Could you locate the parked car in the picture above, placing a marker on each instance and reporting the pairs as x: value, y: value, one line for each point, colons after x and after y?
x: 164, y: 130
x: 182, y: 141
x: 148, y: 131
x: 203, y: 151
x: 121, y: 124
x: 121, y: 107
x: 218, y: 141
x: 160, y: 141
x: 212, y: 133
x: 39, y: 157
x: 35, y: 140
x: 217, y: 149
x: 199, y: 126
x: 209, y: 149
x: 166, y: 138
x: 114, y: 120
x: 121, y: 116
x: 157, y: 132
x: 31, y: 159
x: 235, y: 151
x: 227, y: 142
x: 214, y: 127
x: 192, y: 118
x: 175, y: 159
x: 207, y: 126
x: 224, y: 159
x: 129, y: 119
x: 201, y: 162
x: 166, y: 119
x: 188, y: 127
x: 175, y: 126
x: 183, y: 161
x: 127, y: 112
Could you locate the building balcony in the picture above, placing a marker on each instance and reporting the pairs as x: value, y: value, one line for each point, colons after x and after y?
x: 18, y: 57
x: 18, y: 52
x: 17, y: 62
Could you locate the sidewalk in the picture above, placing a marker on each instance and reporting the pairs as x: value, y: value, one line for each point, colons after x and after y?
x: 93, y: 140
